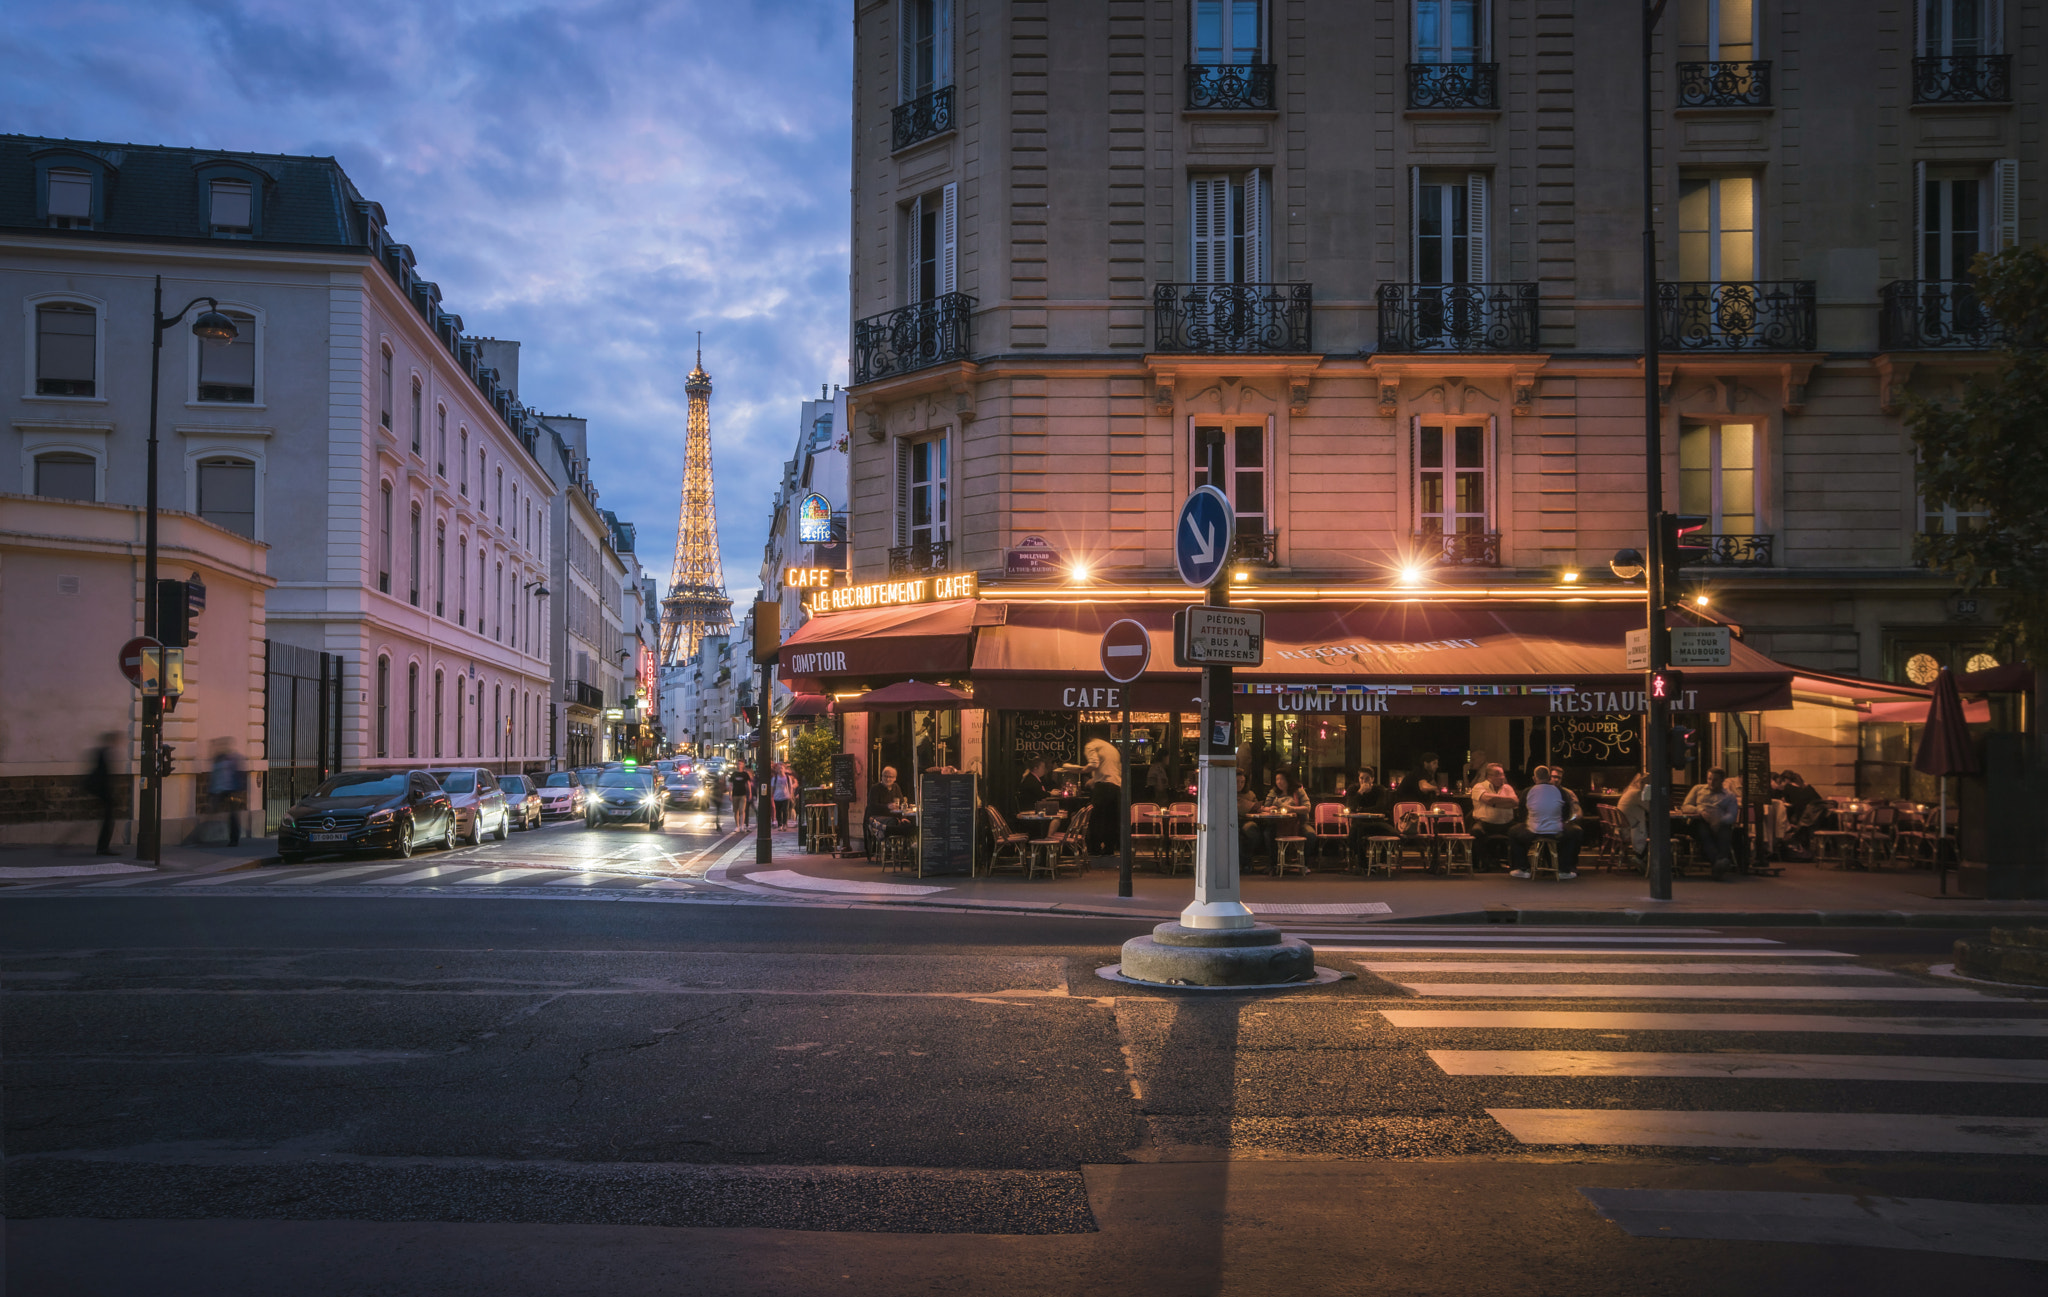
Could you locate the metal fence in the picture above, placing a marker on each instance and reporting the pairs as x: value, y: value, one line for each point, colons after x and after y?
x: 301, y: 724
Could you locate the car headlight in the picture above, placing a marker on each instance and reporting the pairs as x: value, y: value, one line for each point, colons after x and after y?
x: 383, y: 817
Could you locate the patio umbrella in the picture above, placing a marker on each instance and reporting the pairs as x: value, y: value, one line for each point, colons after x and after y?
x: 910, y: 694
x: 1945, y: 747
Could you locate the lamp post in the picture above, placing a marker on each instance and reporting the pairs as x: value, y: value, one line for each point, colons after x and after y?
x: 209, y: 326
x: 1656, y: 711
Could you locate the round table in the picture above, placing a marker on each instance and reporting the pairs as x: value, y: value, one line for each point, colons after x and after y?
x: 1274, y: 819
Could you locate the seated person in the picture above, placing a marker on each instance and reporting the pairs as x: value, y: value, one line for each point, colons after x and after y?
x: 1494, y: 804
x: 1423, y: 784
x: 1708, y: 787
x: 1251, y: 835
x: 1031, y: 791
x: 1369, y: 798
x: 1720, y: 812
x: 884, y: 812
x: 1550, y: 815
x: 1634, y: 815
x: 1285, y: 795
x: 1805, y: 811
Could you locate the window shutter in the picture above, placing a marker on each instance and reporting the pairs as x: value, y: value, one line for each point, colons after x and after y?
x: 942, y: 44
x: 1257, y: 220
x: 902, y: 492
x: 906, y: 54
x: 1415, y: 472
x: 913, y: 275
x: 1493, y: 474
x: 2005, y: 203
x: 1475, y: 227
x: 1209, y: 207
x: 1414, y: 224
x: 1919, y: 28
x: 1920, y: 220
x: 948, y: 239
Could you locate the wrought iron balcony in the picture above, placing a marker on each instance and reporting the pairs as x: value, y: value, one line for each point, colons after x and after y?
x: 1255, y: 546
x: 1963, y: 79
x: 911, y: 337
x: 1457, y: 317
x: 921, y: 557
x: 1454, y: 85
x: 921, y: 119
x: 1232, y: 319
x: 1935, y: 315
x: 1458, y: 549
x: 1736, y: 550
x: 1230, y: 85
x: 579, y: 694
x: 1732, y: 84
x: 1745, y: 316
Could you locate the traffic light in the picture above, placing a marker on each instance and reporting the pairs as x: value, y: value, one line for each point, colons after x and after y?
x: 173, y: 614
x: 1682, y: 747
x: 163, y: 760
x: 1667, y: 686
x: 1684, y: 543
x: 195, y: 603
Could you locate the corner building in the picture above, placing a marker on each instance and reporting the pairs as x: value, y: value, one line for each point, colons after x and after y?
x: 1384, y: 261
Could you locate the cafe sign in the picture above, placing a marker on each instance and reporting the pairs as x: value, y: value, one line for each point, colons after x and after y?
x: 814, y: 520
x: 808, y: 578
x: 888, y: 594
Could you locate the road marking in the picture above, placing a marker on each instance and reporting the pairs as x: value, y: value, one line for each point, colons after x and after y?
x: 127, y: 882
x: 1859, y: 1132
x: 1546, y: 950
x: 579, y: 880
x: 1545, y: 966
x: 431, y: 871
x: 789, y: 878
x: 1637, y: 991
x: 1571, y: 1020
x: 504, y: 876
x: 1483, y: 937
x: 295, y: 879
x: 1832, y: 1219
x: 675, y: 884
x: 1291, y: 907
x: 1737, y: 1066
x: 61, y: 872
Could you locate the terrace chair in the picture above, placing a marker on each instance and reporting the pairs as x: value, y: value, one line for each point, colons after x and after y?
x: 1148, y: 831
x: 1008, y: 855
x: 1181, y: 836
x: 1413, y: 822
x: 1330, y: 829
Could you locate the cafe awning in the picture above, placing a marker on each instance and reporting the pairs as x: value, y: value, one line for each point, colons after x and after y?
x: 911, y: 695
x: 805, y: 706
x: 931, y: 639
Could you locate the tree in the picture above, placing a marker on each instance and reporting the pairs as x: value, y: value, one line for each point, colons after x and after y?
x: 810, y: 755
x: 1988, y: 452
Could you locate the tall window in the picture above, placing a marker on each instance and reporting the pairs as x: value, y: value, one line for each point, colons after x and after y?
x: 1717, y: 234
x: 441, y: 441
x: 1450, y: 479
x: 1234, y: 460
x: 462, y: 460
x: 1230, y: 228
x: 384, y: 390
x: 515, y: 511
x: 462, y: 581
x: 412, y: 554
x: 383, y: 706
x: 926, y: 56
x: 480, y: 456
x: 481, y: 572
x: 415, y: 416
x: 1952, y: 212
x: 439, y: 683
x: 384, y: 541
x: 70, y: 199
x: 1450, y: 227
x: 498, y: 604
x: 412, y: 709
x: 64, y: 475
x: 461, y: 703
x: 227, y: 372
x: 497, y: 720
x: 440, y: 569
x: 233, y: 207
x: 66, y: 347
x: 1958, y: 28
x: 1448, y: 31
x: 934, y: 245
x: 1716, y: 31
x: 1717, y: 475
x: 1228, y: 31
x: 924, y: 486
x: 227, y: 494
x: 479, y: 720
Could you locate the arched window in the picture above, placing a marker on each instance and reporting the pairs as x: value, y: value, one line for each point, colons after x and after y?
x: 383, y: 706
x: 440, y: 570
x: 412, y: 709
x: 413, y: 558
x: 67, y: 349
x: 415, y: 416
x: 63, y: 475
x: 439, y: 682
x: 384, y: 390
x: 479, y: 722
x: 441, y: 440
x: 227, y: 371
x: 384, y: 541
x: 497, y: 719
x: 227, y: 494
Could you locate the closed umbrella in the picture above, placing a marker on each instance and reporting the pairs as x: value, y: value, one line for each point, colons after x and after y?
x: 1945, y: 747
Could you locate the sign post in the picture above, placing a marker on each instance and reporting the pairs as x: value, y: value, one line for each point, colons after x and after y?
x: 1126, y: 650
x: 1202, y: 540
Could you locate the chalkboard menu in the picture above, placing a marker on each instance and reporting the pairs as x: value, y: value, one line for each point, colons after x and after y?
x: 845, y: 777
x: 1055, y: 736
x: 946, y: 809
x: 1756, y: 773
x: 1596, y: 740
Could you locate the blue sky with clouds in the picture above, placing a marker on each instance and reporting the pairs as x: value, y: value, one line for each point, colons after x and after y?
x: 598, y: 179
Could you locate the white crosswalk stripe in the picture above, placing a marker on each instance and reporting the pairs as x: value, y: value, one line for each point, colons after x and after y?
x: 1905, y: 1051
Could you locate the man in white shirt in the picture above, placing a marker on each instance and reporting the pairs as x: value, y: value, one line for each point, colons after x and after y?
x: 1105, y: 795
x: 1549, y: 816
x: 1493, y: 817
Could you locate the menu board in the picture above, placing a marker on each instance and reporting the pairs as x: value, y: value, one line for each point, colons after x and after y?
x: 1054, y: 736
x: 845, y: 778
x: 1756, y: 773
x: 946, y: 809
x: 1596, y: 740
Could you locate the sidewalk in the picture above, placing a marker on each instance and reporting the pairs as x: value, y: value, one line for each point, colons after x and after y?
x: 28, y: 863
x: 1804, y: 895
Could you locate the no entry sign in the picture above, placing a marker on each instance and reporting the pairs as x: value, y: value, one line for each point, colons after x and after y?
x: 1126, y: 650
x: 131, y: 657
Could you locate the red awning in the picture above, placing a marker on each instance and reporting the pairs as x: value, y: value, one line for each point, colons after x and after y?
x: 911, y: 694
x: 805, y: 706
x: 931, y: 639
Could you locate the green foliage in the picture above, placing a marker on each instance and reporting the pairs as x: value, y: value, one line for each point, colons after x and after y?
x: 810, y: 755
x: 1988, y: 450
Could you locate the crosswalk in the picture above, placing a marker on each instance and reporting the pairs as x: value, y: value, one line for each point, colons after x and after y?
x: 1791, y: 1049
x: 458, y: 877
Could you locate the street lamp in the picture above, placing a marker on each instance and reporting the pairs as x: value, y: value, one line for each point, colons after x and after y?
x: 212, y: 327
x: 1656, y: 710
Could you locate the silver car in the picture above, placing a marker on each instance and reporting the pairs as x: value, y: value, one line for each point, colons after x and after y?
x: 479, y: 803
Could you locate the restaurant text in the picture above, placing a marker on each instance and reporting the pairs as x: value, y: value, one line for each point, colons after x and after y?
x: 884, y: 594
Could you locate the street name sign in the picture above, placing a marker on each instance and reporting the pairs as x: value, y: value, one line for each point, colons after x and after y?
x: 1638, y: 642
x: 1691, y: 646
x: 1203, y: 534
x: 1205, y: 636
x: 1126, y: 650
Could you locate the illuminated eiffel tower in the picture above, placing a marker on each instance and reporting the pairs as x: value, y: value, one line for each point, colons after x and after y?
x: 697, y: 604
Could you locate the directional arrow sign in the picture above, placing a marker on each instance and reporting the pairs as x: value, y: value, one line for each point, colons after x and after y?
x: 1203, y: 534
x: 1126, y: 649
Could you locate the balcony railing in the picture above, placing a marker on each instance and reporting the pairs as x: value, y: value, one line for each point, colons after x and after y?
x: 1935, y: 314
x: 1232, y: 319
x: 921, y: 557
x: 911, y: 337
x: 579, y: 694
x: 1458, y: 549
x: 1963, y: 79
x: 1736, y: 550
x: 1230, y: 85
x: 1454, y: 85
x: 1747, y: 316
x: 921, y: 119
x: 1734, y: 84
x: 1457, y: 317
x: 1255, y: 546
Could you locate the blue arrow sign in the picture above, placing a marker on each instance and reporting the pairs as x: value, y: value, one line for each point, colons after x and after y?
x: 1202, y: 535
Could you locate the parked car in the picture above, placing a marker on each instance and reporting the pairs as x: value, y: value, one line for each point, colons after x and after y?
x: 368, y: 810
x: 561, y: 795
x: 686, y: 788
x: 624, y: 796
x: 522, y: 800
x: 479, y: 803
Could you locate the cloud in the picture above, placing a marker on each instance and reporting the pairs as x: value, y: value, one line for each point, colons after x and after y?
x: 598, y: 179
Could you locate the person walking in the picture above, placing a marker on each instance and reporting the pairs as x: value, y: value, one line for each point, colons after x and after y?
x: 99, y: 785
x: 784, y: 790
x: 742, y: 796
x: 225, y: 784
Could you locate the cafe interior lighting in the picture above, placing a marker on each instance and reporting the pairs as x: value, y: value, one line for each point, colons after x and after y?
x: 1569, y: 576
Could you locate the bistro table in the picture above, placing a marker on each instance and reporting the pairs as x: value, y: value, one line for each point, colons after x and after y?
x: 1274, y: 821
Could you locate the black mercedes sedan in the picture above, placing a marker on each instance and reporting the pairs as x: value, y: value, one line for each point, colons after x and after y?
x: 391, y: 811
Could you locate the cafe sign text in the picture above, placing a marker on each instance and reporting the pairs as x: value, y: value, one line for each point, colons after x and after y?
x: 886, y: 594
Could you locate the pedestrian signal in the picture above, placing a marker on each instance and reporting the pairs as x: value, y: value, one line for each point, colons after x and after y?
x: 1667, y: 686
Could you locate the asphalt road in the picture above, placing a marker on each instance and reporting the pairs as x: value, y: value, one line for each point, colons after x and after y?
x: 467, y: 1093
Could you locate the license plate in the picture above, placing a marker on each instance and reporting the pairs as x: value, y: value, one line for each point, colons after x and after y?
x: 327, y: 837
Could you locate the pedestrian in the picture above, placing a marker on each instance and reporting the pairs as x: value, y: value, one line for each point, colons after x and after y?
x: 99, y: 785
x: 784, y: 789
x: 742, y: 796
x: 225, y: 784
x: 1105, y: 796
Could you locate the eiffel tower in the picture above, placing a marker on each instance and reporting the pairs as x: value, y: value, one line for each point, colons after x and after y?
x: 697, y: 604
